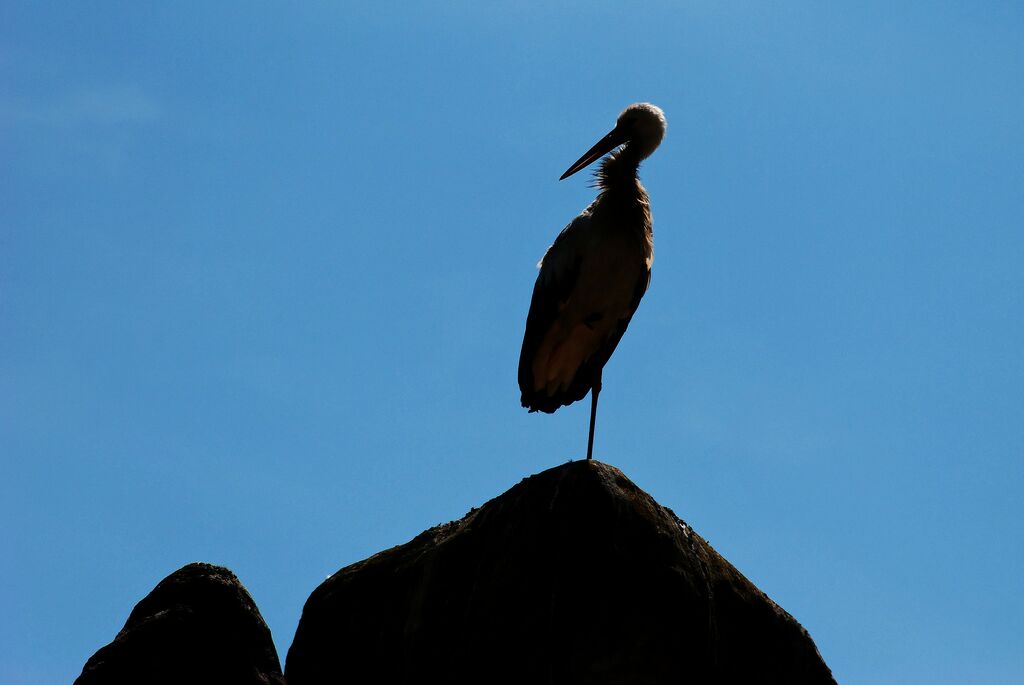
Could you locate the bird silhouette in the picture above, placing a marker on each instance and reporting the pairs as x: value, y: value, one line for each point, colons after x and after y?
x: 593, y: 276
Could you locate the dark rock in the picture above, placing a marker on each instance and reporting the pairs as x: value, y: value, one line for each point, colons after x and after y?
x: 199, y: 625
x: 575, y: 575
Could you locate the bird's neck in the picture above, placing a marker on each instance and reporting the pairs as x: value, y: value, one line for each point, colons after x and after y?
x: 618, y: 170
x: 622, y: 195
x: 617, y: 177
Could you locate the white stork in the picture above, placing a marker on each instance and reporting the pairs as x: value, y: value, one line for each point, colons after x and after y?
x: 593, y: 276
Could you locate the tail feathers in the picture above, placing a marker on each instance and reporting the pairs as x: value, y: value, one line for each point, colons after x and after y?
x: 582, y: 382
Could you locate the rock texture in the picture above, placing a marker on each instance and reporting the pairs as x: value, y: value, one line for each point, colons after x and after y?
x: 198, y: 626
x: 575, y: 575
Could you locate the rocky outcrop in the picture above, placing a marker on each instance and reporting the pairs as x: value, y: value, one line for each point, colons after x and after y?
x: 575, y: 575
x: 199, y: 625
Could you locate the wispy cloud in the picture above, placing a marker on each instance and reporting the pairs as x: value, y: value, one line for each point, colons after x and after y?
x: 98, y: 106
x: 84, y: 128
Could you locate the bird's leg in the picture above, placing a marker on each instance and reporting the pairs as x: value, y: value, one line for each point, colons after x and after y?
x: 594, y: 392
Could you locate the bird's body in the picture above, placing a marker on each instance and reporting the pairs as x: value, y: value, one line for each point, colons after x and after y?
x: 590, y: 283
x: 592, y: 278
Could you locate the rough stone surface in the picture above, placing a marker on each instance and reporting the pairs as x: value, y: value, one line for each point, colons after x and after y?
x: 198, y: 625
x: 575, y: 575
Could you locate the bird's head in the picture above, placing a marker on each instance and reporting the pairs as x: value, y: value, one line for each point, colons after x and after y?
x: 644, y: 125
x: 641, y: 127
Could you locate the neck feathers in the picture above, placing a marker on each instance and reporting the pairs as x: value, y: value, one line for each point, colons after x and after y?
x: 617, y: 175
x: 618, y: 170
x: 621, y: 190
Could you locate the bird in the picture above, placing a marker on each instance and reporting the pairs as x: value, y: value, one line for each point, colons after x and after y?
x: 593, y: 276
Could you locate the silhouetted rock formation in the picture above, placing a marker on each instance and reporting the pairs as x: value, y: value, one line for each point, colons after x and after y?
x: 198, y: 626
x: 575, y: 575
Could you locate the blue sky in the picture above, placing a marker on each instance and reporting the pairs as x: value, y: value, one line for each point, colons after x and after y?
x: 264, y: 271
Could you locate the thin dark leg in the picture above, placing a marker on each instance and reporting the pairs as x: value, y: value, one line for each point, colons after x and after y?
x: 594, y: 392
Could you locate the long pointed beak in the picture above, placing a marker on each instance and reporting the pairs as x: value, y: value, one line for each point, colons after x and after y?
x: 611, y: 141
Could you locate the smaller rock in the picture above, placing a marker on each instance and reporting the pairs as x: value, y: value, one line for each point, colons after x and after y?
x: 199, y: 625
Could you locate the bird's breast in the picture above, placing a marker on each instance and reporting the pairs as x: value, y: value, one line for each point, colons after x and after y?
x: 608, y: 274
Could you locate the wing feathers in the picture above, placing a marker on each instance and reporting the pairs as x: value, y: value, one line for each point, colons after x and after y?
x: 563, y: 350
